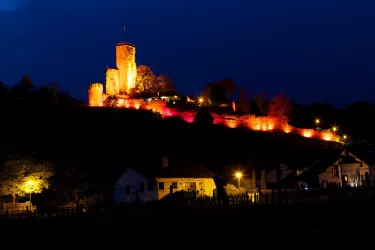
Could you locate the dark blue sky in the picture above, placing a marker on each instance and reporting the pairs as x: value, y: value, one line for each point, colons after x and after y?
x: 311, y: 50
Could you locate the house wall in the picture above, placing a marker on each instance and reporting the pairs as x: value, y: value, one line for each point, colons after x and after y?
x: 203, y: 185
x: 371, y: 168
x: 351, y: 170
x: 372, y: 174
x: 272, y: 175
x: 327, y: 176
x: 132, y: 179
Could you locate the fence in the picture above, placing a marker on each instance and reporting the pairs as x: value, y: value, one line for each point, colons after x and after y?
x: 13, y: 207
x: 292, y: 196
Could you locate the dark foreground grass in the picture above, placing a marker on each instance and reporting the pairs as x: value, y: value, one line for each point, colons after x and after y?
x: 308, y: 226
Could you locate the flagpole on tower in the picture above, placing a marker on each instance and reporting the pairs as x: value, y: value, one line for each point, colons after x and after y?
x: 124, y: 33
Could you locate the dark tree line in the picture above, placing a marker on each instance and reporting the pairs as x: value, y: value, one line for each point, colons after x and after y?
x: 94, y: 144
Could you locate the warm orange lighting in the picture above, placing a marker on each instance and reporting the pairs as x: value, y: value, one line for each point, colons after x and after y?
x: 95, y: 95
x: 29, y: 186
x: 112, y: 85
x: 307, y: 133
x: 334, y: 129
x: 344, y: 137
x: 231, y: 123
x: 127, y: 69
x: 238, y: 175
x: 327, y: 137
x: 317, y: 121
x: 200, y: 100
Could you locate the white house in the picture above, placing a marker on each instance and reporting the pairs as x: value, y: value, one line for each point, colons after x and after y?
x: 348, y: 170
x: 153, y: 183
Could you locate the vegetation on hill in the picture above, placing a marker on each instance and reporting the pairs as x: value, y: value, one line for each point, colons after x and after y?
x: 96, y: 144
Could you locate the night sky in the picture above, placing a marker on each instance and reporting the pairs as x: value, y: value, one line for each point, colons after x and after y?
x: 313, y: 51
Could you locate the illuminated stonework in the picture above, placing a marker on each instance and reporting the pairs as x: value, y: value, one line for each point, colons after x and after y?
x: 120, y: 81
x: 95, y: 94
x: 127, y: 69
x: 252, y: 122
x: 112, y: 84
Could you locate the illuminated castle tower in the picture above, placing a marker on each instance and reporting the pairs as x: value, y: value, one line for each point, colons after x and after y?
x: 122, y: 79
x: 112, y: 84
x: 119, y: 80
x: 95, y: 94
x: 127, y: 69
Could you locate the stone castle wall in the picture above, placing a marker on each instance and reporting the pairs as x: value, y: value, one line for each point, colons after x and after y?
x: 112, y: 84
x: 125, y: 62
x: 95, y: 91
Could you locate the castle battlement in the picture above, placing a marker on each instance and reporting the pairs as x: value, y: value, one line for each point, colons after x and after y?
x: 95, y: 85
x: 125, y: 43
x: 121, y: 80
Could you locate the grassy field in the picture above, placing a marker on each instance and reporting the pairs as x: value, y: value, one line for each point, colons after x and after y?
x: 308, y: 226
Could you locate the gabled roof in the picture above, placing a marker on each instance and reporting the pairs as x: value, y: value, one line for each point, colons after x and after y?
x: 180, y: 170
x: 366, y: 155
x: 319, y: 167
x: 346, y: 159
x: 293, y: 156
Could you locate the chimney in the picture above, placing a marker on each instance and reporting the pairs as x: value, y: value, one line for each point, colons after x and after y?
x: 164, y: 162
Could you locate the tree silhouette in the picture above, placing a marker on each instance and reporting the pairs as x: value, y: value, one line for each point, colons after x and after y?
x: 216, y: 92
x: 166, y: 84
x: 260, y: 100
x: 24, y: 85
x: 21, y: 176
x: 244, y: 105
x: 146, y: 82
x: 280, y: 106
x: 263, y: 179
x: 203, y: 118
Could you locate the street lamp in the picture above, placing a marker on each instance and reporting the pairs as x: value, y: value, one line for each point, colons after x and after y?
x: 200, y: 100
x: 239, y: 175
x: 317, y: 121
x: 30, y: 185
x: 344, y: 137
x: 334, y: 128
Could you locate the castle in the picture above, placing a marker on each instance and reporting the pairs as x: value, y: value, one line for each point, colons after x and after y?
x: 121, y: 80
x: 118, y: 81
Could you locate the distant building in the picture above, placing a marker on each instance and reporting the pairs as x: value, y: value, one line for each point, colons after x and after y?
x: 348, y: 170
x: 153, y: 183
x: 340, y: 170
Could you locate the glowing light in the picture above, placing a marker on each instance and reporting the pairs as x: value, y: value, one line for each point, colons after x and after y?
x: 121, y: 102
x: 307, y: 133
x: 317, y: 121
x: 95, y: 92
x: 327, y: 137
x: 127, y: 69
x: 29, y: 186
x: 344, y: 137
x: 238, y: 175
x: 200, y: 100
x: 334, y: 128
x: 231, y: 123
x: 112, y: 84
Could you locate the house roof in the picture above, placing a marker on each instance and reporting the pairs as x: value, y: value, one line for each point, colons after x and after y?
x: 319, y: 167
x: 366, y: 154
x: 293, y: 156
x: 346, y: 159
x: 322, y: 166
x: 179, y: 170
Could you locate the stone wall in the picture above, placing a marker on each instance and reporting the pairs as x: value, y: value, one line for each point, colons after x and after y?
x: 95, y: 92
x: 112, y: 84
